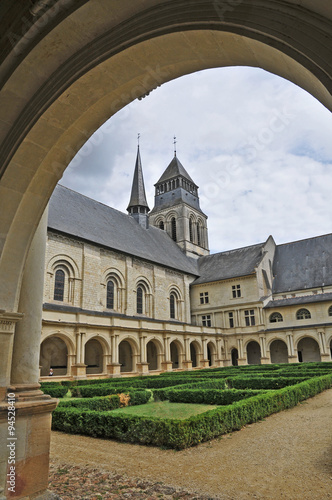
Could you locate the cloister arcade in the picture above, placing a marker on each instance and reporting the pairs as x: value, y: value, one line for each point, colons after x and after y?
x: 57, y: 351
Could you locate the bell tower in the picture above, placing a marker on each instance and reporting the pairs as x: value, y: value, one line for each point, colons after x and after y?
x: 178, y: 212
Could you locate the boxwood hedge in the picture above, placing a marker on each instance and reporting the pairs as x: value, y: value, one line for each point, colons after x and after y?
x: 181, y: 434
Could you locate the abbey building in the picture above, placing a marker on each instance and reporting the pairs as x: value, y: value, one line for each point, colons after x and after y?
x: 140, y: 293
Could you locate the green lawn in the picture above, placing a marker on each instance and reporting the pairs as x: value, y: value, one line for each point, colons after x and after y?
x: 165, y: 409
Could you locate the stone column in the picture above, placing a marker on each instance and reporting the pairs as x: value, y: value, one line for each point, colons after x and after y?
x: 205, y: 360
x: 25, y: 362
x: 30, y: 437
x: 292, y: 358
x: 78, y: 369
x: 218, y: 359
x: 227, y: 355
x: 265, y: 360
x: 143, y: 366
x: 242, y: 359
x: 167, y: 365
x: 324, y: 354
x: 187, y: 362
x: 114, y: 369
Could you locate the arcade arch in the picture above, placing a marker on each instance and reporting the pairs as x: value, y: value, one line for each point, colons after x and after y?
x: 53, y: 354
x: 253, y: 353
x: 94, y: 356
x: 176, y: 354
x: 195, y: 353
x: 235, y: 357
x: 278, y: 351
x: 308, y: 350
x: 126, y: 356
x: 153, y: 350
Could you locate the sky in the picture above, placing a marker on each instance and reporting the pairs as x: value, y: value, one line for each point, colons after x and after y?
x: 258, y: 147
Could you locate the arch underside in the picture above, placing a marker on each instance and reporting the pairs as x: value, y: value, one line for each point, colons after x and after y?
x: 86, y: 64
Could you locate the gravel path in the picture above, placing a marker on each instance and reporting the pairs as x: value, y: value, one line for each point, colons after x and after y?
x: 288, y: 456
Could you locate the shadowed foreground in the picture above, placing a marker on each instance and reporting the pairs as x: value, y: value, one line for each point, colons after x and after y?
x: 287, y: 456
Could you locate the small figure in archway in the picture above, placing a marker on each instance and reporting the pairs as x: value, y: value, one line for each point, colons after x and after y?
x: 51, y: 372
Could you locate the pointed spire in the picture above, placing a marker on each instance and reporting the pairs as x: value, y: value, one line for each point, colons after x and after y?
x: 138, y: 197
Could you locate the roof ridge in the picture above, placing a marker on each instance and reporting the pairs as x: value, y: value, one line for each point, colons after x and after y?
x: 304, y: 239
x: 234, y: 250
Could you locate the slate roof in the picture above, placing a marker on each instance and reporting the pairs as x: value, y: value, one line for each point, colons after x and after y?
x: 302, y: 299
x: 76, y: 215
x: 303, y: 264
x: 138, y: 196
x: 230, y: 264
x: 174, y: 169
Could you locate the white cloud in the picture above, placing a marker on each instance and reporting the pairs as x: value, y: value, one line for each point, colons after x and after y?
x: 258, y: 146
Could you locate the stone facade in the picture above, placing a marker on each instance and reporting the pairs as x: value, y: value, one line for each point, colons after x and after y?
x: 144, y: 305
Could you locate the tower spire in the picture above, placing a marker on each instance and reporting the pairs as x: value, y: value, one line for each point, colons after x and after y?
x: 138, y: 206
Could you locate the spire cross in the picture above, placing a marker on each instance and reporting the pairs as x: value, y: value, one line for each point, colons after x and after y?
x: 138, y: 136
x: 174, y: 145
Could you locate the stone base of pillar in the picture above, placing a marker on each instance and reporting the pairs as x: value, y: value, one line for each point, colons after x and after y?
x: 143, y: 368
x: 293, y: 359
x: 242, y: 361
x: 218, y: 362
x: 227, y: 362
x: 325, y: 357
x: 29, y: 444
x: 205, y: 363
x: 167, y: 366
x: 265, y: 361
x: 114, y: 369
x: 187, y: 365
x: 79, y: 370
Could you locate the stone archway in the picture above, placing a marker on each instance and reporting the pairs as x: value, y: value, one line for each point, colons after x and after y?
x: 278, y: 352
x: 194, y: 354
x: 75, y: 57
x: 53, y: 354
x: 308, y: 350
x: 175, y: 355
x: 125, y: 356
x: 152, y: 355
x: 253, y: 353
x: 93, y: 357
x: 211, y: 352
x: 235, y: 357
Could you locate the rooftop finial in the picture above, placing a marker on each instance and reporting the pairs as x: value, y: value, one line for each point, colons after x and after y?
x: 138, y: 136
x: 174, y: 145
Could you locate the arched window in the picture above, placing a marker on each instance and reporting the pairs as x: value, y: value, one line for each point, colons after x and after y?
x: 303, y: 314
x: 330, y: 311
x: 198, y: 234
x: 276, y: 317
x: 191, y: 236
x: 139, y: 300
x: 110, y: 295
x: 173, y: 222
x: 172, y: 302
x: 161, y: 225
x: 59, y: 285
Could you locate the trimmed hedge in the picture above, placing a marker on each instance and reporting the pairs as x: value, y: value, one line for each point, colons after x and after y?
x: 180, y: 434
x: 54, y: 391
x: 209, y: 396
x: 106, y: 403
x: 263, y: 382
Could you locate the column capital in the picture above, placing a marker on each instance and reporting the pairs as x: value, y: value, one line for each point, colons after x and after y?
x: 8, y: 321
